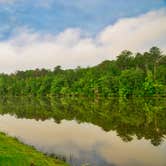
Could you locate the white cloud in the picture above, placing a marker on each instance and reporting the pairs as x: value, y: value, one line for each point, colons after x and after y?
x: 73, y: 47
x: 136, y: 34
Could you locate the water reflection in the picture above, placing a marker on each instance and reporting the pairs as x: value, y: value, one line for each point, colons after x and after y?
x: 83, y: 143
x: 100, y: 132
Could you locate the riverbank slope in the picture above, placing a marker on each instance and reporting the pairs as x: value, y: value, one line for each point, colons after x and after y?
x: 14, y: 153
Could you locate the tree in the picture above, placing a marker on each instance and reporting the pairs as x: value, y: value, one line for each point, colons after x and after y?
x: 149, y: 85
x: 125, y: 60
x: 155, y: 55
x: 131, y: 81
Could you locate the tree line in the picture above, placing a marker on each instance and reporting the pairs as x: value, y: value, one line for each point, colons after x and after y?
x: 139, y: 74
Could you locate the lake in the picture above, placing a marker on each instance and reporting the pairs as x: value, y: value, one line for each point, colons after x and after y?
x: 86, y: 131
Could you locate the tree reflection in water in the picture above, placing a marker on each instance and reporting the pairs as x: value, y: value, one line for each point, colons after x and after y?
x: 141, y: 117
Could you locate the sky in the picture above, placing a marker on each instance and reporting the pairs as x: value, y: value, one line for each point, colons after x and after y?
x: 47, y: 33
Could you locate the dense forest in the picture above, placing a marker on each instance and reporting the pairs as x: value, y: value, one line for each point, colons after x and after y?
x: 139, y: 74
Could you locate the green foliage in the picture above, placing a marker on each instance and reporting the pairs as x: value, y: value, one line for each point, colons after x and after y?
x: 129, y: 75
x: 149, y: 85
x: 125, y: 60
x: 13, y: 153
x: 3, y: 88
x: 131, y: 81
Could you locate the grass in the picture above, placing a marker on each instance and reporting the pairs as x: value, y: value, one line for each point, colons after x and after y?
x: 14, y: 153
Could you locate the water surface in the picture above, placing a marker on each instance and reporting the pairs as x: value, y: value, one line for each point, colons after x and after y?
x: 103, y: 132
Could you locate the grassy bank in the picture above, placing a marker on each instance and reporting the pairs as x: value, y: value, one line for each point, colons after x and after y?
x: 12, y: 153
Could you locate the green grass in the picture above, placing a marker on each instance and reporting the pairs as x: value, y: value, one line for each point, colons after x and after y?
x: 14, y: 153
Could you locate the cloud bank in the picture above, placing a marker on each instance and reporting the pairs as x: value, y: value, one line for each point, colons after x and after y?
x: 73, y: 47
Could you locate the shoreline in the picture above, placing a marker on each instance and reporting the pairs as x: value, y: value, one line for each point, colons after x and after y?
x: 13, y: 152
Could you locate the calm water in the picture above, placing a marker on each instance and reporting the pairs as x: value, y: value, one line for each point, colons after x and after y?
x: 105, y: 132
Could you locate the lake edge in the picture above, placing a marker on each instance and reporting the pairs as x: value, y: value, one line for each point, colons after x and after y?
x: 11, y: 147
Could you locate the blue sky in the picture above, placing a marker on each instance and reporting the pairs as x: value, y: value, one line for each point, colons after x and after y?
x: 53, y: 16
x: 71, y: 33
